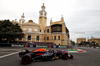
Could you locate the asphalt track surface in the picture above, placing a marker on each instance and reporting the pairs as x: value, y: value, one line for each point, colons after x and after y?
x: 9, y: 57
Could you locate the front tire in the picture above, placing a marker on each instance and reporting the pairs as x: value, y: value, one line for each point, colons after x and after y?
x: 65, y: 56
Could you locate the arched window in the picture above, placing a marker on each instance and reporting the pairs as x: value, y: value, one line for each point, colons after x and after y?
x: 44, y: 38
x: 58, y: 37
x: 37, y: 38
x: 40, y: 30
x: 30, y: 30
x: 54, y: 37
x: 35, y: 29
x: 29, y: 37
x: 47, y: 38
x: 47, y: 30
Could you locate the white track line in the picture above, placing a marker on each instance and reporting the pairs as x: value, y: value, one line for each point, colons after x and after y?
x: 8, y: 54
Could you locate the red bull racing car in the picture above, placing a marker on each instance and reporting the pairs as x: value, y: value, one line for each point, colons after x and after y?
x: 43, y: 54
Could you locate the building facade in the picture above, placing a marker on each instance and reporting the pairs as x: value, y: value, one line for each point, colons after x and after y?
x: 79, y: 40
x: 57, y: 32
x: 97, y: 40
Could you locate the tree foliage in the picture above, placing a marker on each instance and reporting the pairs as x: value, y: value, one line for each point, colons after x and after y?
x: 72, y: 42
x: 10, y: 31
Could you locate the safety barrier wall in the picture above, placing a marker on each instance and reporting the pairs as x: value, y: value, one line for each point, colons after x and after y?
x: 41, y: 46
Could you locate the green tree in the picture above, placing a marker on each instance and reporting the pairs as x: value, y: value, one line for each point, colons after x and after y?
x: 10, y: 31
x: 83, y: 43
x: 73, y: 42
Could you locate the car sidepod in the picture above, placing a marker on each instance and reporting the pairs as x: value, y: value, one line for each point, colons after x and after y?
x: 49, y: 56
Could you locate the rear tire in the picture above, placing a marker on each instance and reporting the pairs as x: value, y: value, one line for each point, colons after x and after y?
x: 26, y: 59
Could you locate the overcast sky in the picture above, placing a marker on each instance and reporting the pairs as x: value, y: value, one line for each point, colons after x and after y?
x: 82, y: 17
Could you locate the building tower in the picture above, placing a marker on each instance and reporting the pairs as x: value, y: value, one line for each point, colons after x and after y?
x: 22, y: 20
x: 42, y: 18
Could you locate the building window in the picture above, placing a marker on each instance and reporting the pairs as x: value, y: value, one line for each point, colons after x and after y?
x: 45, y: 14
x: 47, y: 30
x: 40, y: 30
x: 44, y: 31
x: 35, y: 29
x: 29, y: 37
x: 37, y: 38
x: 47, y: 38
x: 58, y: 37
x: 54, y: 37
x: 41, y: 13
x: 30, y: 30
x: 44, y: 38
x: 24, y: 28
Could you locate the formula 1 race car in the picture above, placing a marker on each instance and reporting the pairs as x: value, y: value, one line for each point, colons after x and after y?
x: 43, y: 54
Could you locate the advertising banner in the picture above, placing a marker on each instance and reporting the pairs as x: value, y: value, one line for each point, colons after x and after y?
x: 62, y: 46
x: 42, y: 46
x: 17, y: 45
x: 54, y: 46
x: 31, y: 45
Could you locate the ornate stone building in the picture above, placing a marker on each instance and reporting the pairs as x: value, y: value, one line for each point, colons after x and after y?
x: 97, y: 40
x: 57, y: 32
x: 79, y: 40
